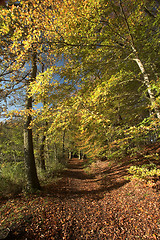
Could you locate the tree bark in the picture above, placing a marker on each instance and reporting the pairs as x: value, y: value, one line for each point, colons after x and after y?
x: 42, y: 159
x: 148, y: 85
x: 42, y: 141
x: 55, y: 153
x: 31, y: 172
x: 141, y: 65
x: 70, y: 155
x: 63, y: 145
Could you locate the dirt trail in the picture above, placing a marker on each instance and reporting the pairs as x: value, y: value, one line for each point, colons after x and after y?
x: 97, y: 206
x: 103, y: 205
x: 78, y: 181
x: 95, y: 184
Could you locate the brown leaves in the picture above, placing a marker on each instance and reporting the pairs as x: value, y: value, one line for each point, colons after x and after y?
x: 73, y: 209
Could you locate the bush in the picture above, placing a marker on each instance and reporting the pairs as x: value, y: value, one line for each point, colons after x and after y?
x: 11, y: 178
x: 145, y: 172
x: 51, y: 173
x: 13, y: 171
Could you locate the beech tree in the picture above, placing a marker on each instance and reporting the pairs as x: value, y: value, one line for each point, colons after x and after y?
x: 11, y: 21
x: 22, y: 28
x: 110, y: 56
x: 109, y: 34
x: 112, y: 43
x: 106, y: 54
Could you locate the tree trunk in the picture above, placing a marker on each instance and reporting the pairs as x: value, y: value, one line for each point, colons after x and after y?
x: 148, y: 85
x: 47, y: 151
x: 80, y: 155
x: 63, y: 146
x: 141, y: 65
x: 31, y: 172
x: 70, y: 155
x: 42, y: 159
x: 42, y: 141
x: 55, y: 153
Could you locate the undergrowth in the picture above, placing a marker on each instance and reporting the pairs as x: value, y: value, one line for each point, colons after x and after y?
x: 52, y: 173
x: 13, y: 180
x: 145, y: 172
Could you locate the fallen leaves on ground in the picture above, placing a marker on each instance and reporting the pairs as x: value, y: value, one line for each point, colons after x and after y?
x: 98, y: 206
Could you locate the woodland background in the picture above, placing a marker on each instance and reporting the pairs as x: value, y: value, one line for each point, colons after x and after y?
x: 80, y: 119
x: 79, y: 78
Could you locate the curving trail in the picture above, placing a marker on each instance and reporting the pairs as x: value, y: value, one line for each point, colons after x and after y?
x: 97, y: 206
x: 96, y: 183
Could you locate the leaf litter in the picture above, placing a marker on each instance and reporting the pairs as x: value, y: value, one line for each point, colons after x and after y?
x: 101, y: 205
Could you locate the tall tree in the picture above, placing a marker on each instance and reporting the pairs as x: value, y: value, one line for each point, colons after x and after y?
x: 22, y: 52
x: 28, y: 138
x: 110, y: 34
x: 30, y: 42
x: 114, y: 45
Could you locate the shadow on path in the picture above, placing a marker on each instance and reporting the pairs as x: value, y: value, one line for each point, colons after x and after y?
x: 76, y: 183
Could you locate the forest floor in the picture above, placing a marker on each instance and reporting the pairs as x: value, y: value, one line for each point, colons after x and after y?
x: 97, y: 206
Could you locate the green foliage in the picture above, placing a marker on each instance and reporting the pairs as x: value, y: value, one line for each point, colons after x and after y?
x: 52, y: 172
x: 11, y: 141
x: 13, y: 171
x: 153, y: 156
x: 11, y: 178
x: 7, y: 187
x: 129, y: 141
x: 144, y: 172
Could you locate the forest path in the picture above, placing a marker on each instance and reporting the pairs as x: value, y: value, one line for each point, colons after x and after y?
x: 80, y: 206
x: 102, y: 205
x: 78, y: 181
x: 93, y: 184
